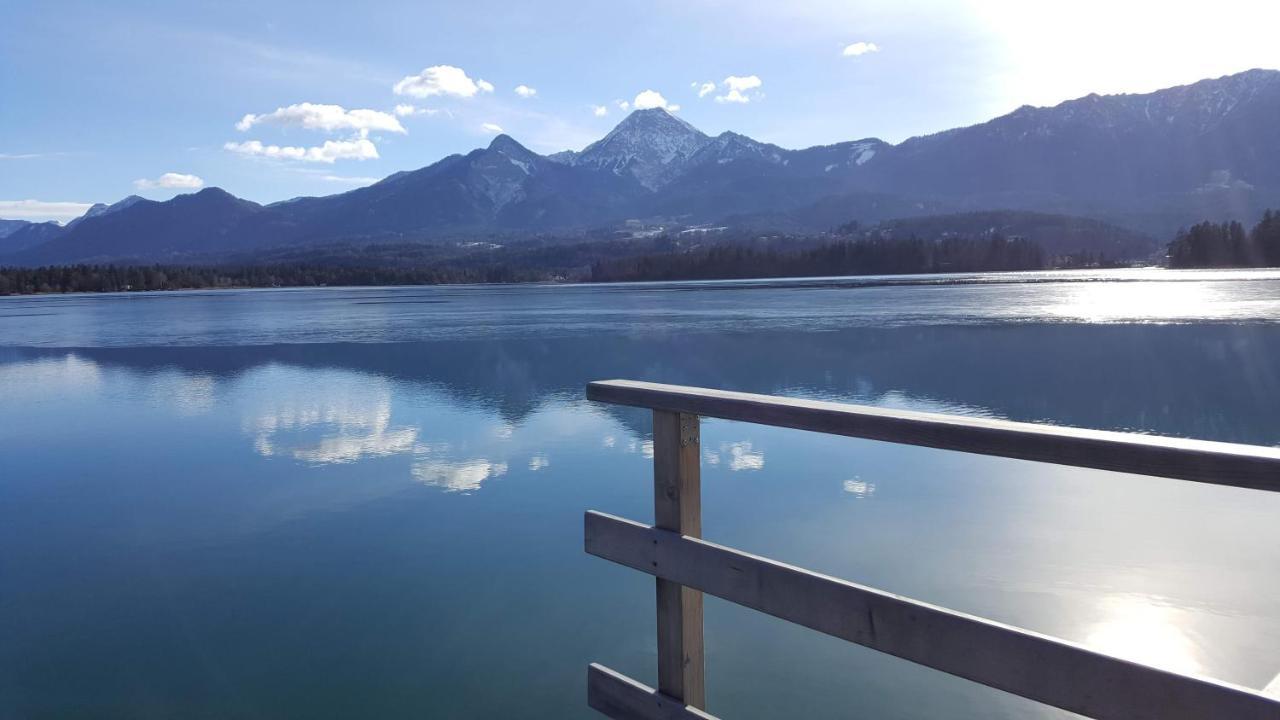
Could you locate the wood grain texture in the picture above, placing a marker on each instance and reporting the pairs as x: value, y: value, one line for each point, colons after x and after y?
x: 1245, y: 466
x: 677, y: 506
x: 1049, y: 670
x: 621, y: 698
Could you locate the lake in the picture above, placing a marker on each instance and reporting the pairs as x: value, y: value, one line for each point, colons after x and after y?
x: 367, y: 502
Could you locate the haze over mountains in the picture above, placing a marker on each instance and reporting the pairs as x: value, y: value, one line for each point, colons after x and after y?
x: 1151, y: 163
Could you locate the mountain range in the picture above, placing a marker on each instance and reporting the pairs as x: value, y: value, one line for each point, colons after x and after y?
x: 1150, y: 163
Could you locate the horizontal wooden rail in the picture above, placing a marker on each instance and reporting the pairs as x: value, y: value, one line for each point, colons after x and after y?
x: 1049, y: 670
x: 1244, y: 466
x: 622, y: 698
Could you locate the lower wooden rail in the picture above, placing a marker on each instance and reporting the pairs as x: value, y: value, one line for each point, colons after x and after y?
x: 622, y: 698
x: 1042, y: 668
x: 1045, y: 669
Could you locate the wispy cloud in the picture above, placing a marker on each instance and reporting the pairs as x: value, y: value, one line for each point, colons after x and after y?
x: 247, y: 58
x: 550, y: 132
x: 599, y: 110
x: 353, y: 180
x: 704, y: 89
x: 491, y: 128
x: 41, y: 210
x: 170, y: 180
x: 441, y: 80
x: 331, y: 151
x: 328, y: 118
x: 406, y: 110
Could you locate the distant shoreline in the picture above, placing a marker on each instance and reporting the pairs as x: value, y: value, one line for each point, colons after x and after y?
x: 868, y: 280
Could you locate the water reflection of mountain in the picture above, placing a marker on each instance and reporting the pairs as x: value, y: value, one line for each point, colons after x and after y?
x: 1211, y: 381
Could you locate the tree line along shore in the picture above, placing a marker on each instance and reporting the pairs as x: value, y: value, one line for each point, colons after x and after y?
x: 1205, y: 245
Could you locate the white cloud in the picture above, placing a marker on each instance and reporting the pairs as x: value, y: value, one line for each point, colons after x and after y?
x: 170, y: 180
x: 740, y: 89
x: 491, y: 128
x: 441, y: 80
x: 622, y: 104
x: 328, y: 118
x: 599, y: 110
x: 525, y: 91
x: 652, y: 99
x: 704, y: 89
x: 41, y: 210
x: 358, y: 148
x: 860, y: 48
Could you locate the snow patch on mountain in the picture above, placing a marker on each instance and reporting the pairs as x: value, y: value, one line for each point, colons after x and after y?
x: 499, y: 173
x: 100, y: 209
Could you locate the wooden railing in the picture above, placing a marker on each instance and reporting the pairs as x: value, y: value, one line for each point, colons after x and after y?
x: 1045, y: 669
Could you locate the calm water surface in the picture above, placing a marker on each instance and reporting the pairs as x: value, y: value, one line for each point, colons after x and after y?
x: 367, y: 502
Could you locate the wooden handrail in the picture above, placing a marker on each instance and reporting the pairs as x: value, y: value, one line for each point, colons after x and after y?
x: 1217, y: 463
x: 1039, y: 667
x: 1049, y: 670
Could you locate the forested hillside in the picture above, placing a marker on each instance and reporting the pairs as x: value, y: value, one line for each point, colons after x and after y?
x: 1228, y: 244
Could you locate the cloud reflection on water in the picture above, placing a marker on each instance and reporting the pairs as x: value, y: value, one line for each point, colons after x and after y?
x: 352, y: 423
x: 458, y: 476
x: 70, y: 372
x: 859, y: 488
x: 742, y: 456
x: 359, y: 417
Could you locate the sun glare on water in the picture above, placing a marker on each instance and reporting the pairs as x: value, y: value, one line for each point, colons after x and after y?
x: 1141, y: 629
x: 1136, y: 301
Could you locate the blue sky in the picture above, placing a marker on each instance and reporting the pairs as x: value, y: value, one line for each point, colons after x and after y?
x: 99, y: 100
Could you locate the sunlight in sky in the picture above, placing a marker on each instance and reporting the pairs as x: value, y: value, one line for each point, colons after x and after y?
x: 1056, y: 51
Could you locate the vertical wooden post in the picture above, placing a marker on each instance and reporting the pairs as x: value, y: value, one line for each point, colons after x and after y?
x: 677, y: 505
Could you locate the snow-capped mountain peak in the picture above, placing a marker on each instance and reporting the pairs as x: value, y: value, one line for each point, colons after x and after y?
x: 651, y: 145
